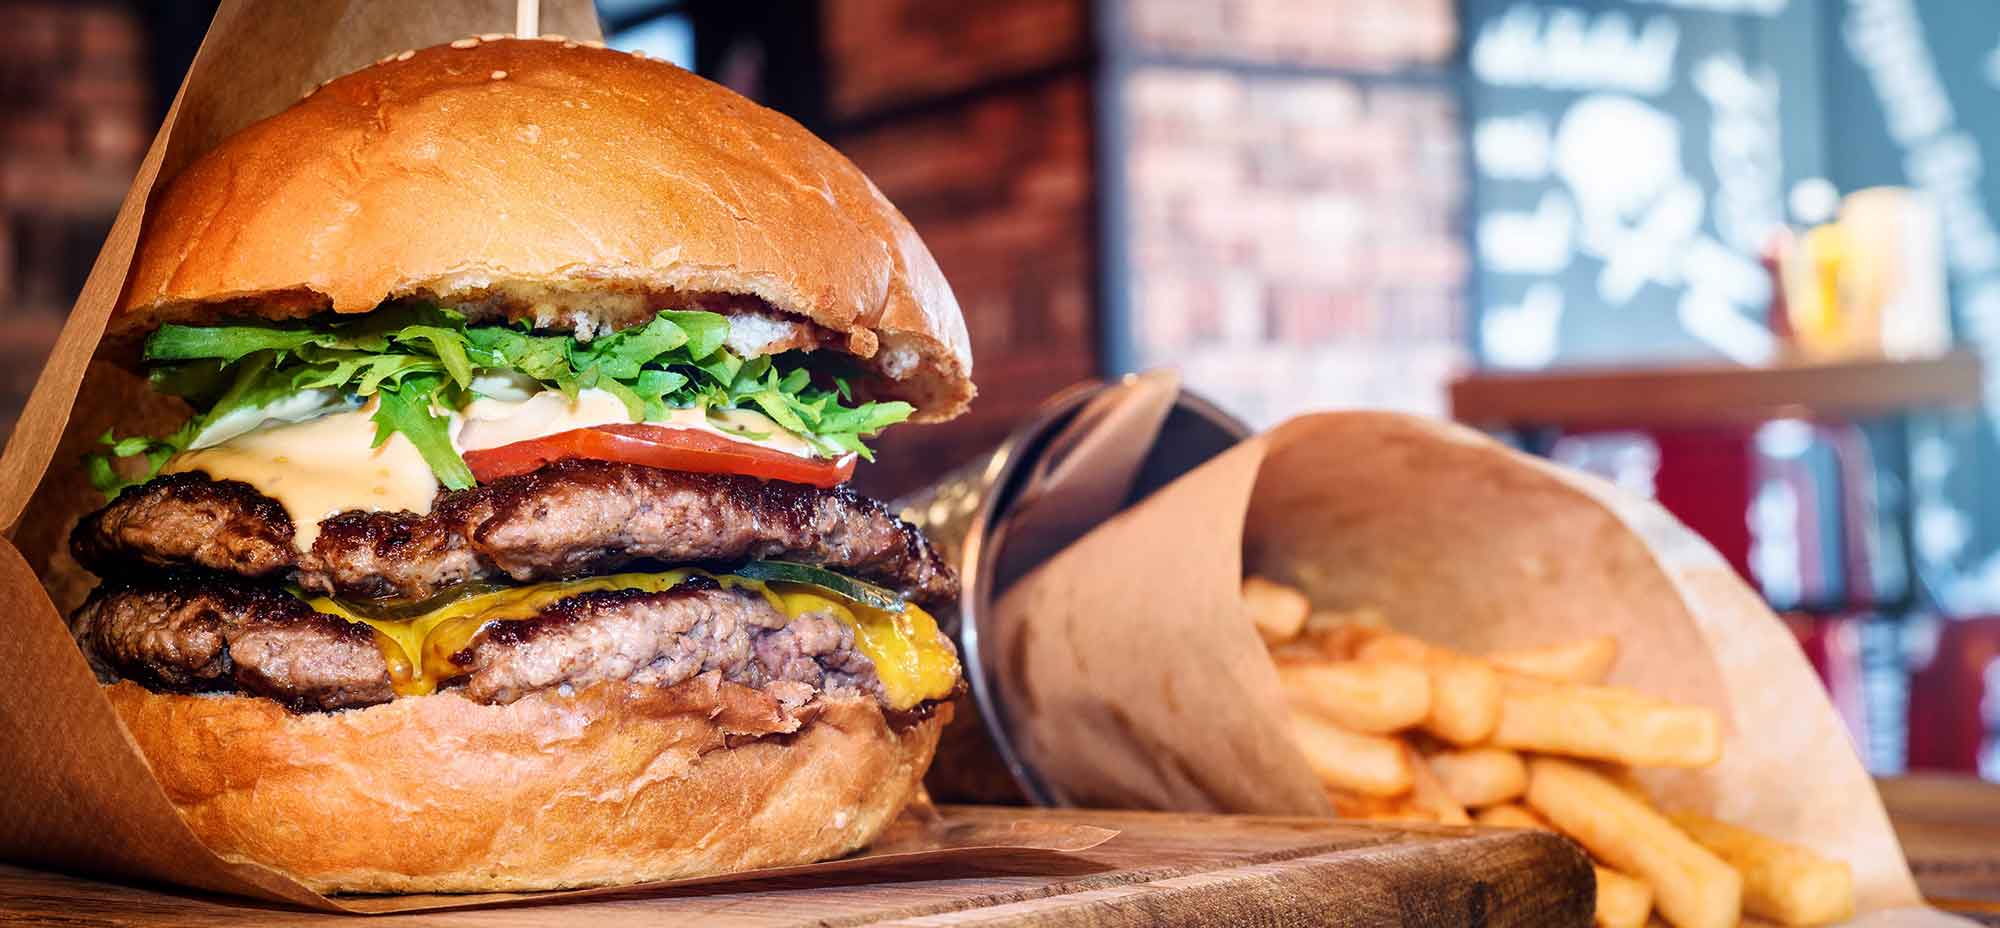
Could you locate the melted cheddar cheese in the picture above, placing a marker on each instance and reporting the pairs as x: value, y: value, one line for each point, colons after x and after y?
x: 909, y: 653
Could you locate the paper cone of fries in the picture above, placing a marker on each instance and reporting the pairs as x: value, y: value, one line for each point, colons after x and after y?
x: 1086, y: 453
x: 1131, y: 675
x: 75, y: 793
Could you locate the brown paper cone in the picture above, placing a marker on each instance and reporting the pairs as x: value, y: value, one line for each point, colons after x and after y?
x: 1129, y: 677
x: 1135, y: 681
x: 1087, y: 452
x: 74, y: 791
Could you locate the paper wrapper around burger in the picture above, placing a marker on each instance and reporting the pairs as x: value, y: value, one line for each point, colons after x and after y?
x: 1131, y: 678
x: 75, y: 793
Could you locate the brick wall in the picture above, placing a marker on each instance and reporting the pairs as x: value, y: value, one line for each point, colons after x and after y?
x: 1293, y: 199
x: 882, y: 53
x: 1292, y: 230
x: 1375, y: 35
x: 75, y: 117
x: 977, y: 125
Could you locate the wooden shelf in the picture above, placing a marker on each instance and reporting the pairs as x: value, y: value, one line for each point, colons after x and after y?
x: 1716, y: 394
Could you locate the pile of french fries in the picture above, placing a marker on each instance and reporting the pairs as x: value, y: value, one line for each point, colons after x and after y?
x: 1400, y: 729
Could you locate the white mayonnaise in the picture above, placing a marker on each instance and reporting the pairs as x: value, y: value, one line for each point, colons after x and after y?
x: 490, y: 423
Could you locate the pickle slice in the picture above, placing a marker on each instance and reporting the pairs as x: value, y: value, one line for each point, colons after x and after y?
x: 866, y: 594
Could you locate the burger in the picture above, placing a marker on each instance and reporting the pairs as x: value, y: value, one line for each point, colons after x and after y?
x: 506, y: 544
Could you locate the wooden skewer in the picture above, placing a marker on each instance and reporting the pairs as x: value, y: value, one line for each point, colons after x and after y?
x: 527, y: 18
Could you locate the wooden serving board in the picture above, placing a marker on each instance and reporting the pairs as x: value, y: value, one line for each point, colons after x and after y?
x: 1162, y: 869
x: 1950, y: 829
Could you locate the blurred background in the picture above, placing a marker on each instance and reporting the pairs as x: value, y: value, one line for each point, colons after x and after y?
x: 1737, y: 255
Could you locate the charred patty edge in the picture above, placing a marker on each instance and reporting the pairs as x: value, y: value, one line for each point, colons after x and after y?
x: 131, y: 630
x: 529, y: 528
x: 194, y: 632
x: 235, y: 529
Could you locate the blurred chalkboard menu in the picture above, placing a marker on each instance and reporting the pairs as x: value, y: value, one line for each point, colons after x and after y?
x: 1912, y: 97
x: 1631, y: 157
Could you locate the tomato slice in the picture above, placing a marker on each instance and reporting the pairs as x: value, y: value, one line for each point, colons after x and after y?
x: 662, y: 447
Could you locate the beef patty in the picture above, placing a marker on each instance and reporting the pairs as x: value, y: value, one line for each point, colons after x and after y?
x: 191, y: 633
x: 570, y: 519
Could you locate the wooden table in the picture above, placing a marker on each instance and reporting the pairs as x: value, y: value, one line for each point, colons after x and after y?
x: 1161, y: 869
x: 1197, y: 870
x: 1950, y: 827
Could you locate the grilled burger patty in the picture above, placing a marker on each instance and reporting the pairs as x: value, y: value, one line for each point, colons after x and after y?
x: 570, y: 519
x: 186, y: 634
x: 189, y: 633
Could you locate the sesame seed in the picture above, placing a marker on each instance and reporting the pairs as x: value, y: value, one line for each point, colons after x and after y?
x: 407, y: 54
x: 571, y: 45
x: 592, y: 43
x: 492, y: 36
x: 468, y: 42
x: 639, y: 53
x: 499, y: 75
x: 552, y: 37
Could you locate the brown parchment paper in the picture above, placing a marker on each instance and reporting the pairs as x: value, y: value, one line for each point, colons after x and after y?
x: 1129, y: 676
x: 75, y: 794
x: 1135, y: 681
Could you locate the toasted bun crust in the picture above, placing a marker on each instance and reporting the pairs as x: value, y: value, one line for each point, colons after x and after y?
x: 613, y: 784
x: 576, y: 186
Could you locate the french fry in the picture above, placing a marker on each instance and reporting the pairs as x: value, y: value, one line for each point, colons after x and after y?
x: 1339, y: 635
x: 1465, y: 700
x: 1296, y: 651
x: 1430, y: 794
x: 1605, y: 723
x: 1394, y: 646
x: 1622, y: 901
x: 1278, y: 611
x: 1363, y: 617
x: 1585, y: 660
x: 1783, y: 882
x: 1511, y: 815
x: 1478, y: 777
x: 1371, y: 765
x: 1352, y: 805
x: 1692, y: 887
x: 1623, y: 778
x: 1375, y: 697
x: 1465, y: 692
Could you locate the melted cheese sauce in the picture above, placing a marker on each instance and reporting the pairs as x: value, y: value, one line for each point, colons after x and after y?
x: 744, y: 425
x: 325, y: 466
x: 321, y: 467
x: 909, y: 653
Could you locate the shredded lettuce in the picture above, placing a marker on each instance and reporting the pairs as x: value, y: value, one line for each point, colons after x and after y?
x: 422, y: 361
x: 407, y: 407
x: 150, y: 453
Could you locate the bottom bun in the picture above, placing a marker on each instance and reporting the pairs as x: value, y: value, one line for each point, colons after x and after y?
x: 612, y: 784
